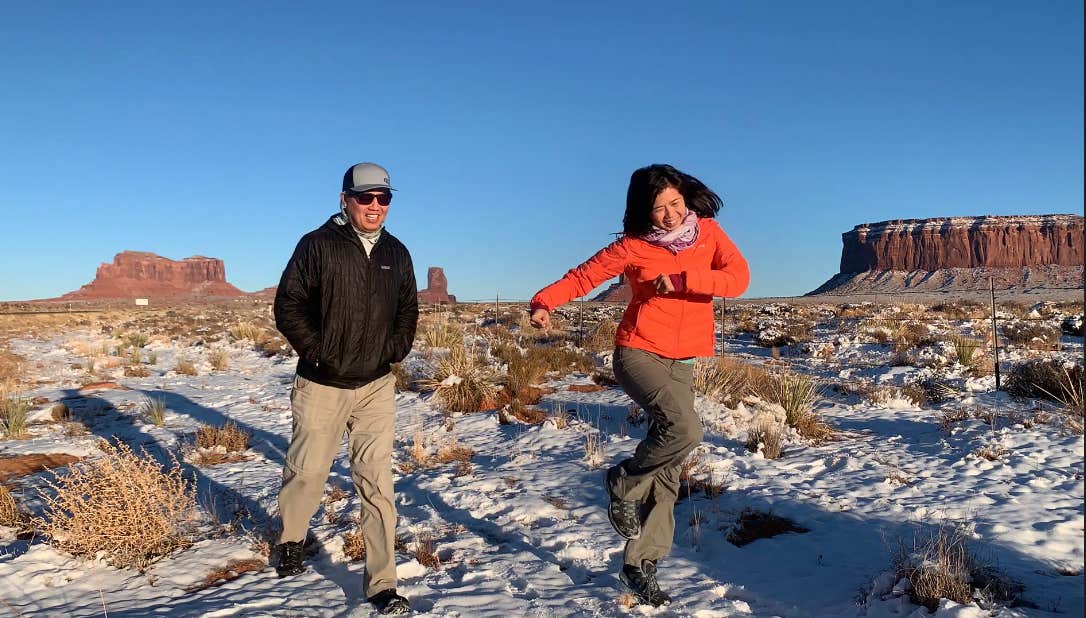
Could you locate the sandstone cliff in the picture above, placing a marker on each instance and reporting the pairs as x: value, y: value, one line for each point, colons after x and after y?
x: 963, y: 242
x: 437, y: 287
x: 134, y: 274
x: 961, y: 252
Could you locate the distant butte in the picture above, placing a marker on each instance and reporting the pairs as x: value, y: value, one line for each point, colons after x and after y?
x: 137, y: 274
x: 437, y: 288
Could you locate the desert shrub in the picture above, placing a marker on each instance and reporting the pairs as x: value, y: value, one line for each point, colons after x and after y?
x: 964, y: 349
x: 1034, y: 335
x: 460, y: 383
x: 219, y: 359
x: 441, y: 334
x: 933, y: 389
x: 122, y: 504
x: 960, y: 310
x: 10, y: 365
x: 725, y: 379
x: 522, y: 373
x: 247, y: 331
x: 60, y: 412
x: 229, y: 437
x: 856, y: 310
x: 354, y: 546
x: 404, y: 381
x: 136, y: 340
x: 1047, y: 379
x: 796, y: 393
x: 992, y: 452
x: 602, y: 337
x: 752, y: 525
x: 940, y: 566
x: 559, y: 359
x: 273, y: 345
x: 910, y: 334
x: 765, y: 438
x: 10, y: 513
x: 154, y: 408
x: 880, y: 331
x: 13, y: 413
x: 425, y: 552
x: 185, y: 367
x: 505, y: 352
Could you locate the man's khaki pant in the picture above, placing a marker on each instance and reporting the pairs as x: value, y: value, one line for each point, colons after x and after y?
x: 663, y: 387
x: 321, y: 414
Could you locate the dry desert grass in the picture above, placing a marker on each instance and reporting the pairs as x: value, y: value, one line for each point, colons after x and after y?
x: 122, y: 504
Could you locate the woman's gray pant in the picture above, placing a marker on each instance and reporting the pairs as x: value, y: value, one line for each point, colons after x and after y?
x: 664, y: 389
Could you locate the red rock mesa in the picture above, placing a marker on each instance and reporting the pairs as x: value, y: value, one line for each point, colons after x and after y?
x: 135, y: 274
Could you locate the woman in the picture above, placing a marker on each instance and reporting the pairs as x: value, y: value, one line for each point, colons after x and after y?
x: 676, y: 258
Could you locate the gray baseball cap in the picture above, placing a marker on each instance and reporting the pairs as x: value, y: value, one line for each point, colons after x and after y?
x: 364, y: 177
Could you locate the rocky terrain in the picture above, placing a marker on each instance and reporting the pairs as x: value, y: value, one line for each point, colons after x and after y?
x: 961, y: 253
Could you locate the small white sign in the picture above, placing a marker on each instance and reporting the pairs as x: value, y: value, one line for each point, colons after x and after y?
x: 141, y: 302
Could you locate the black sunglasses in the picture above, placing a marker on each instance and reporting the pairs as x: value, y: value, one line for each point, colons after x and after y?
x: 366, y: 199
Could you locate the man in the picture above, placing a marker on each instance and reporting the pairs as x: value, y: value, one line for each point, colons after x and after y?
x: 347, y: 304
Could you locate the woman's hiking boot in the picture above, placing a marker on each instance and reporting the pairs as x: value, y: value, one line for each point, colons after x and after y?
x: 291, y: 558
x: 389, y: 603
x: 642, y: 582
x: 625, y: 515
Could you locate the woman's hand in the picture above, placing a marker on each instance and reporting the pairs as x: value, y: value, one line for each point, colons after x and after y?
x: 663, y: 284
x: 541, y: 318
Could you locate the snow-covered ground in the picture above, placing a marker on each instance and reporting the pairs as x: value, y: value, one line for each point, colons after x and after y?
x: 525, y: 532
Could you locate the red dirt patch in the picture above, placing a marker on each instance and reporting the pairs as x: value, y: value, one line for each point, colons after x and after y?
x: 14, y: 466
x: 94, y: 387
x: 232, y: 570
x: 586, y: 388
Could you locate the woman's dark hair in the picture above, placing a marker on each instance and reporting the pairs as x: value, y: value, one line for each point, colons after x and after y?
x: 647, y: 182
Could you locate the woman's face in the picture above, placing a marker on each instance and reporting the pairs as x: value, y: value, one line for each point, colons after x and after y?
x: 668, y: 209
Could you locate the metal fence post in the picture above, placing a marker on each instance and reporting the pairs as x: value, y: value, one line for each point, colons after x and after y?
x: 995, y: 333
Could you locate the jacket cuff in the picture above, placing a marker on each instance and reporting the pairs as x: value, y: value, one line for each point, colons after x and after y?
x: 535, y: 304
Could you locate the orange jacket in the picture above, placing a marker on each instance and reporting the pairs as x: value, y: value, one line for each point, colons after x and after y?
x: 674, y: 325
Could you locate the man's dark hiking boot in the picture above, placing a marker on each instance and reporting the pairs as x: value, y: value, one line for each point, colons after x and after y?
x: 642, y: 582
x: 625, y: 515
x: 291, y: 558
x: 389, y: 603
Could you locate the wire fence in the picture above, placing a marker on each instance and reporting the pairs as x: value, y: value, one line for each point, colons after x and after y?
x: 987, y: 312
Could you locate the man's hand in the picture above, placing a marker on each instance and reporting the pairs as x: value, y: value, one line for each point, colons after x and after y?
x: 541, y: 318
x: 663, y: 284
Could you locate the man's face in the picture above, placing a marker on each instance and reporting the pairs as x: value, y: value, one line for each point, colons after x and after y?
x: 365, y: 209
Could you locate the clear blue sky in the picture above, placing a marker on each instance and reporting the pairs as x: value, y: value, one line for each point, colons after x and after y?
x: 510, y: 129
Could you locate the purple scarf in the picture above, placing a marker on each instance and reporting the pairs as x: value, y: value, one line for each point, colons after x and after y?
x: 683, y: 236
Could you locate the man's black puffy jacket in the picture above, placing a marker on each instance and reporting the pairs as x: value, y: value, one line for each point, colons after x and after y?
x: 347, y: 315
